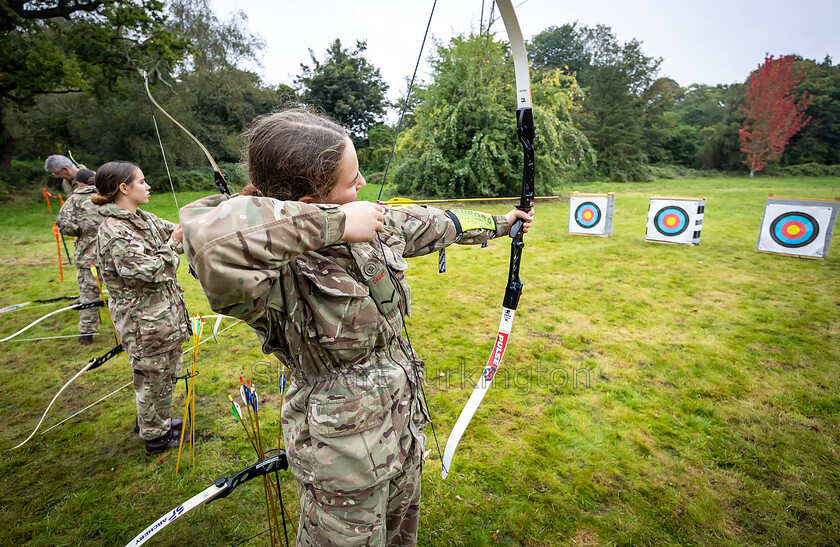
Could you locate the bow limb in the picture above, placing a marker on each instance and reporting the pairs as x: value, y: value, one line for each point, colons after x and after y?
x: 221, y: 488
x: 128, y: 384
x: 92, y: 364
x: 45, y: 316
x: 43, y: 302
x: 221, y: 182
x: 525, y: 132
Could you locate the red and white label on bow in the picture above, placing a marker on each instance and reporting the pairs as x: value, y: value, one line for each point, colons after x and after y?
x: 500, y: 346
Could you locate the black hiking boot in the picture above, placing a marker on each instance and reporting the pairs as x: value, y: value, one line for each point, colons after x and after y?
x: 86, y: 339
x: 176, y: 424
x: 172, y: 439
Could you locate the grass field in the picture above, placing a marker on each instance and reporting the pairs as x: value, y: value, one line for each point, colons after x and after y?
x: 651, y: 394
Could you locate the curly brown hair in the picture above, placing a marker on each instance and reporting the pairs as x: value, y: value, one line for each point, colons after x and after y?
x: 295, y: 153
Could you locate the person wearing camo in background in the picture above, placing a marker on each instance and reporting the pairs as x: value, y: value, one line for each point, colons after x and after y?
x: 63, y: 168
x: 80, y: 217
x: 296, y: 257
x: 137, y: 254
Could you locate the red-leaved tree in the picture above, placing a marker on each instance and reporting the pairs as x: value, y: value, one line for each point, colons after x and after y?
x: 773, y: 115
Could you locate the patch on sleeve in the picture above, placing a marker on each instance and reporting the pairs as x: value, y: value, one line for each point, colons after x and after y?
x: 471, y: 220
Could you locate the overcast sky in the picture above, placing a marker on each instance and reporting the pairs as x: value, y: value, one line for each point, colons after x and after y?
x: 706, y: 41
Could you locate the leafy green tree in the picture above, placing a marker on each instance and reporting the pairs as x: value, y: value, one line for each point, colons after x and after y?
x: 702, y: 105
x: 708, y: 122
x: 63, y: 47
x: 625, y: 127
x: 559, y: 48
x: 211, y: 93
x: 819, y: 141
x: 463, y: 142
x: 373, y: 155
x: 660, y: 121
x: 346, y: 86
x: 614, y: 117
x: 207, y: 93
x: 720, y: 147
x: 215, y: 44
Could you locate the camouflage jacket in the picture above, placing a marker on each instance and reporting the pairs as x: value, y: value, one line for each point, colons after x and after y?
x: 138, y: 262
x: 320, y: 305
x: 80, y: 218
x: 330, y: 311
x: 69, y: 187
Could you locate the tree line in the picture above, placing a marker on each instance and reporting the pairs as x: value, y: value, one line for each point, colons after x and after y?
x: 71, y: 79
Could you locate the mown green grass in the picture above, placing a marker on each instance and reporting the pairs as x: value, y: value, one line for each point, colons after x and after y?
x: 651, y: 394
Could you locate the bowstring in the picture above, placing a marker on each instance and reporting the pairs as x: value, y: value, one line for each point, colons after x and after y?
x: 163, y: 153
x: 406, y: 102
x: 411, y: 354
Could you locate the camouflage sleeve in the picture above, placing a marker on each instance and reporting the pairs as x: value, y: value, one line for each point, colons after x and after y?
x: 66, y: 221
x: 168, y: 227
x: 130, y: 258
x: 236, y: 245
x: 175, y: 245
x: 164, y: 229
x: 428, y: 229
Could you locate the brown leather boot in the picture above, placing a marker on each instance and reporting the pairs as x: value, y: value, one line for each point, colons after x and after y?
x: 172, y: 439
x: 86, y: 339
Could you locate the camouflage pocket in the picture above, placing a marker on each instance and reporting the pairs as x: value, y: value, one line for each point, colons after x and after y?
x: 341, y: 416
x: 353, y: 442
x: 343, y: 316
x: 155, y: 327
x: 346, y: 519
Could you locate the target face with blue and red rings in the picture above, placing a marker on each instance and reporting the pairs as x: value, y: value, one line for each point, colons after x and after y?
x: 794, y: 229
x: 587, y: 215
x: 671, y: 220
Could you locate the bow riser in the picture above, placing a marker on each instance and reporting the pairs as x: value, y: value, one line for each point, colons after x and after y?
x: 526, y: 130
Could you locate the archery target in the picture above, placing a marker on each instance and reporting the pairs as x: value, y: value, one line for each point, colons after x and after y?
x: 587, y: 214
x: 797, y: 227
x: 671, y: 221
x: 675, y: 220
x: 591, y: 214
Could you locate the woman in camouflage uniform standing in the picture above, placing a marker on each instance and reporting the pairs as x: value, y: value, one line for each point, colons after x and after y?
x: 138, y: 259
x: 79, y: 217
x: 298, y: 259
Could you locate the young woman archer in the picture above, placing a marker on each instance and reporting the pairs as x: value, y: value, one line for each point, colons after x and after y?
x: 320, y: 278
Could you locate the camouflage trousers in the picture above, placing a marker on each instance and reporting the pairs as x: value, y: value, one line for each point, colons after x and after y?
x: 355, y: 446
x: 154, y: 382
x: 88, y: 292
x: 386, y: 514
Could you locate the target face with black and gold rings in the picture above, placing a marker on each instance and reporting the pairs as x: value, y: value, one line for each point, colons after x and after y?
x: 671, y: 220
x: 794, y: 229
x: 587, y: 215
